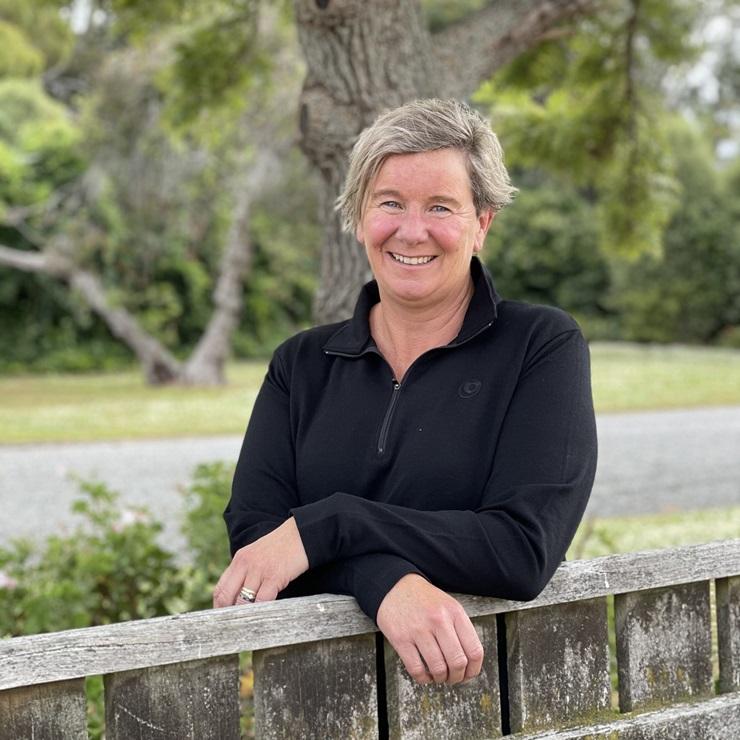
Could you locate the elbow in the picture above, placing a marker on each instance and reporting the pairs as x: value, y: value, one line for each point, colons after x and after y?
x: 527, y: 588
x: 527, y: 572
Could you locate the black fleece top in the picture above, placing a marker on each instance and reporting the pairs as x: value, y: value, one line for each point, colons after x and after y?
x: 474, y: 470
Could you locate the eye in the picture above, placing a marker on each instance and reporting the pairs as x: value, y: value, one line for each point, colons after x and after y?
x: 440, y: 209
x: 390, y: 204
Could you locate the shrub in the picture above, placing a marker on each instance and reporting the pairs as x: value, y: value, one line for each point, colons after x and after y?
x: 204, y: 530
x: 109, y: 569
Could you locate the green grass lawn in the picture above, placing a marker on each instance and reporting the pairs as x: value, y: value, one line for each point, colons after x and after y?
x: 631, y: 377
x: 76, y: 408
x: 609, y: 535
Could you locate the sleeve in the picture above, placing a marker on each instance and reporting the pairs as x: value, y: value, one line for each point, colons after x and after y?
x: 264, y: 492
x: 541, y: 479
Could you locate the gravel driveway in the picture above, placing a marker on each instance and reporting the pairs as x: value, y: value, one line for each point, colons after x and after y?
x: 648, y: 462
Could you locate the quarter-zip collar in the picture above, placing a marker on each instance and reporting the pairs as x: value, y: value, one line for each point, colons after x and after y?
x: 353, y: 337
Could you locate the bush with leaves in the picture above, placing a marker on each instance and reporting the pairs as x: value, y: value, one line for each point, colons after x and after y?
x: 204, y: 530
x: 110, y: 568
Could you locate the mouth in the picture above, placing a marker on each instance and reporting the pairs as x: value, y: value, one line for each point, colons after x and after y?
x: 412, y: 260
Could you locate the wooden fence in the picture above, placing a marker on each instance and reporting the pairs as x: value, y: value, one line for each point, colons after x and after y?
x: 321, y: 672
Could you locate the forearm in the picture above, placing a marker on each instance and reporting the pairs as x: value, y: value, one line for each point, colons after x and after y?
x: 367, y: 577
x: 507, y: 553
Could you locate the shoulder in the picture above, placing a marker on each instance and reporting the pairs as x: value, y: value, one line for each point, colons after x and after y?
x: 534, y: 331
x: 304, y: 350
x: 546, y: 321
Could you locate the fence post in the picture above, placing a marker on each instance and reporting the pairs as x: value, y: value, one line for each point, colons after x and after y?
x: 728, y: 633
x: 558, y: 658
x: 196, y: 700
x: 47, y: 710
x: 322, y: 690
x: 464, y: 711
x: 663, y: 645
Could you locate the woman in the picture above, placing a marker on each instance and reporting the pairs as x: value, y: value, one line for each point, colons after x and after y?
x: 442, y: 439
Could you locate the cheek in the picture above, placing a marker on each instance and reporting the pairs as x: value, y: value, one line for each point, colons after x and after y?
x: 448, y: 235
x: 377, y: 230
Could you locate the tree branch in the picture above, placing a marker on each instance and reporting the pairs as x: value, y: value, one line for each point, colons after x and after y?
x: 471, y: 50
x: 159, y: 364
x: 25, y: 261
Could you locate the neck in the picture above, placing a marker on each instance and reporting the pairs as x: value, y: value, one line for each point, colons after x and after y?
x: 405, y: 332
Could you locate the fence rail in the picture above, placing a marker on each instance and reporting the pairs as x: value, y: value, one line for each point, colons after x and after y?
x: 320, y: 671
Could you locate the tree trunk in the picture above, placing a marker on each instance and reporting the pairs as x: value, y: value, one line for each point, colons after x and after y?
x: 365, y: 56
x: 206, y: 364
x: 362, y: 57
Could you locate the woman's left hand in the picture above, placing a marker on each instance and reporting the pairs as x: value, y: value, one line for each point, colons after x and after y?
x: 265, y: 567
x: 430, y: 631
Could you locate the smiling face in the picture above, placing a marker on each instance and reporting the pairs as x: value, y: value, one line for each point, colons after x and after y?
x: 420, y: 228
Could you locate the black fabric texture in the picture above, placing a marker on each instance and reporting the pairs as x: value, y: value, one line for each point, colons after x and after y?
x: 474, y: 470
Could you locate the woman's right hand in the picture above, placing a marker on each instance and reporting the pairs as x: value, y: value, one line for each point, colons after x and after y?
x: 264, y: 567
x: 430, y: 631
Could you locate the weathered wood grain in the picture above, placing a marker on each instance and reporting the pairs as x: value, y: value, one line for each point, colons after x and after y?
x: 317, y: 691
x: 715, y: 719
x: 54, y: 711
x: 558, y: 658
x: 663, y: 646
x: 728, y: 633
x: 25, y: 661
x: 198, y: 700
x: 460, y: 712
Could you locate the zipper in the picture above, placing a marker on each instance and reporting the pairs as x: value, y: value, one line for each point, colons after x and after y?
x: 385, y: 426
x: 388, y: 418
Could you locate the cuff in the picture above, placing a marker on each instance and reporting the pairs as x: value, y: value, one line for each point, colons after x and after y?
x: 318, y: 525
x: 372, y: 576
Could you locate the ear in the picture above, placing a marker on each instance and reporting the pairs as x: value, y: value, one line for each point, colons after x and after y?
x: 360, y: 234
x: 484, y: 223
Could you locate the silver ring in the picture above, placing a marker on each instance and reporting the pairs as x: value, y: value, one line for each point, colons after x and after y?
x: 247, y: 594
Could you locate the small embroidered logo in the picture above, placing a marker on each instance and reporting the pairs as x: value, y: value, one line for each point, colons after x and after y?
x: 469, y: 388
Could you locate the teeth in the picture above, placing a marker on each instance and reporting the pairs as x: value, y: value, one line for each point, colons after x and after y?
x: 411, y: 260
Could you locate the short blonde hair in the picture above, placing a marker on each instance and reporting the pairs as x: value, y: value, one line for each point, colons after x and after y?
x: 423, y: 126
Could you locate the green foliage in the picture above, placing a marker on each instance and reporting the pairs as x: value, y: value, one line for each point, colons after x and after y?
x: 39, y: 144
x: 214, y: 65
x: 134, y: 166
x: 691, y: 291
x: 23, y: 103
x: 589, y: 109
x: 43, y: 325
x: 18, y: 57
x: 217, y: 50
x: 41, y: 27
x: 543, y: 249
x: 204, y: 529
x: 282, y: 283
x: 153, y: 212
x: 110, y: 568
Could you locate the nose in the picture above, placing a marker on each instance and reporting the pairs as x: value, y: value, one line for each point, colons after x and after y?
x: 412, y: 228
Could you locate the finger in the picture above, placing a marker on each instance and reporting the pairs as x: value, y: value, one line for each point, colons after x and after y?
x: 413, y: 663
x: 433, y: 658
x: 247, y: 594
x: 454, y: 655
x: 267, y: 592
x: 228, y: 586
x: 471, y: 644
